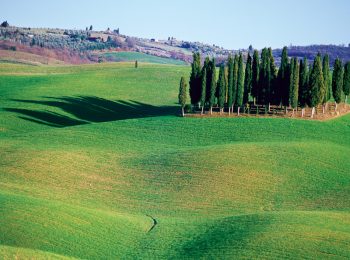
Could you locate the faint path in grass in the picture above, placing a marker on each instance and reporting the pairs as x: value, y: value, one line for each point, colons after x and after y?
x: 155, y: 222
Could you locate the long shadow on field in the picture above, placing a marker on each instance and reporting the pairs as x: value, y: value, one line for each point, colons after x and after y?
x: 88, y: 109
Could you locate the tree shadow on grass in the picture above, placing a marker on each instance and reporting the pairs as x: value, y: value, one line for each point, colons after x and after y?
x: 88, y: 109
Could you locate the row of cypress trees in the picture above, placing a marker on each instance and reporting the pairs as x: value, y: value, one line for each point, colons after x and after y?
x: 295, y: 84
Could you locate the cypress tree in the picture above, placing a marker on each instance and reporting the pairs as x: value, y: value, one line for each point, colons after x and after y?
x: 208, y: 66
x: 294, y: 84
x: 264, y: 80
x: 247, y: 80
x: 337, y: 82
x: 327, y: 80
x: 212, y: 85
x: 240, y: 82
x: 230, y: 84
x: 316, y: 84
x: 255, y: 76
x: 221, y: 87
x: 291, y: 80
x: 346, y: 81
x: 267, y: 83
x: 195, y: 79
x: 204, y: 87
x: 183, y: 94
x: 323, y: 90
x: 303, y: 85
x: 235, y: 81
x: 272, y: 80
x: 283, y: 79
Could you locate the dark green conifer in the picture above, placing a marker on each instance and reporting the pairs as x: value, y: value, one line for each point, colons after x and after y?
x: 272, y: 81
x: 255, y: 76
x: 327, y: 80
x: 283, y: 79
x: 195, y: 79
x: 212, y: 93
x: 294, y: 84
x: 230, y: 84
x: 264, y: 75
x: 346, y: 81
x: 208, y: 66
x: 204, y: 87
x: 316, y: 84
x: 247, y: 80
x: 235, y: 81
x: 221, y: 87
x: 240, y: 82
x: 337, y: 82
x: 183, y: 94
x: 303, y: 96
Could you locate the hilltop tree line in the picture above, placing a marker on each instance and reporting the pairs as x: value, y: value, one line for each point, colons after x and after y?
x: 255, y: 80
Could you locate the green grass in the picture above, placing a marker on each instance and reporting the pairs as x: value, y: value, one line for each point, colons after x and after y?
x: 89, y: 153
x: 140, y: 57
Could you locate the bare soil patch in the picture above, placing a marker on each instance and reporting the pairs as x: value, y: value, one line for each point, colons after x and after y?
x: 277, y: 112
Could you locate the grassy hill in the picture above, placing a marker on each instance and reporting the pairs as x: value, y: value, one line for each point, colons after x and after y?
x: 141, y: 57
x: 96, y: 164
x: 26, y: 58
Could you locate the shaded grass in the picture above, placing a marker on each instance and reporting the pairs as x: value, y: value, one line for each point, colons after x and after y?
x: 88, y: 109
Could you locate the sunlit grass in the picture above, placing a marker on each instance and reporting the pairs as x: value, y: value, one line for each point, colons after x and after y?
x: 218, y: 187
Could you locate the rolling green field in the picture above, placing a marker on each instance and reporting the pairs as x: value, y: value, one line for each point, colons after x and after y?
x: 96, y: 164
x: 141, y: 57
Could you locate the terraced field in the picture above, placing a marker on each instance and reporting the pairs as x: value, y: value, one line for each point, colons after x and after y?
x: 96, y: 164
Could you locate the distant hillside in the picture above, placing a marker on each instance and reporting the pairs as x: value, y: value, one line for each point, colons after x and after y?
x: 141, y: 57
x: 87, y: 46
x: 310, y: 52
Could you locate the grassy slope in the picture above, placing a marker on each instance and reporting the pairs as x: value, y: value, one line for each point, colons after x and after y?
x: 141, y: 57
x: 26, y: 58
x: 246, y: 187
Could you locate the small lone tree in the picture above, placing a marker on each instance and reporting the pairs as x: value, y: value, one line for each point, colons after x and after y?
x: 183, y: 95
x: 91, y: 28
x: 5, y: 24
x: 303, y: 85
x: 337, y: 82
x: 136, y: 64
x: 240, y: 83
x: 346, y: 81
x: 221, y: 88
